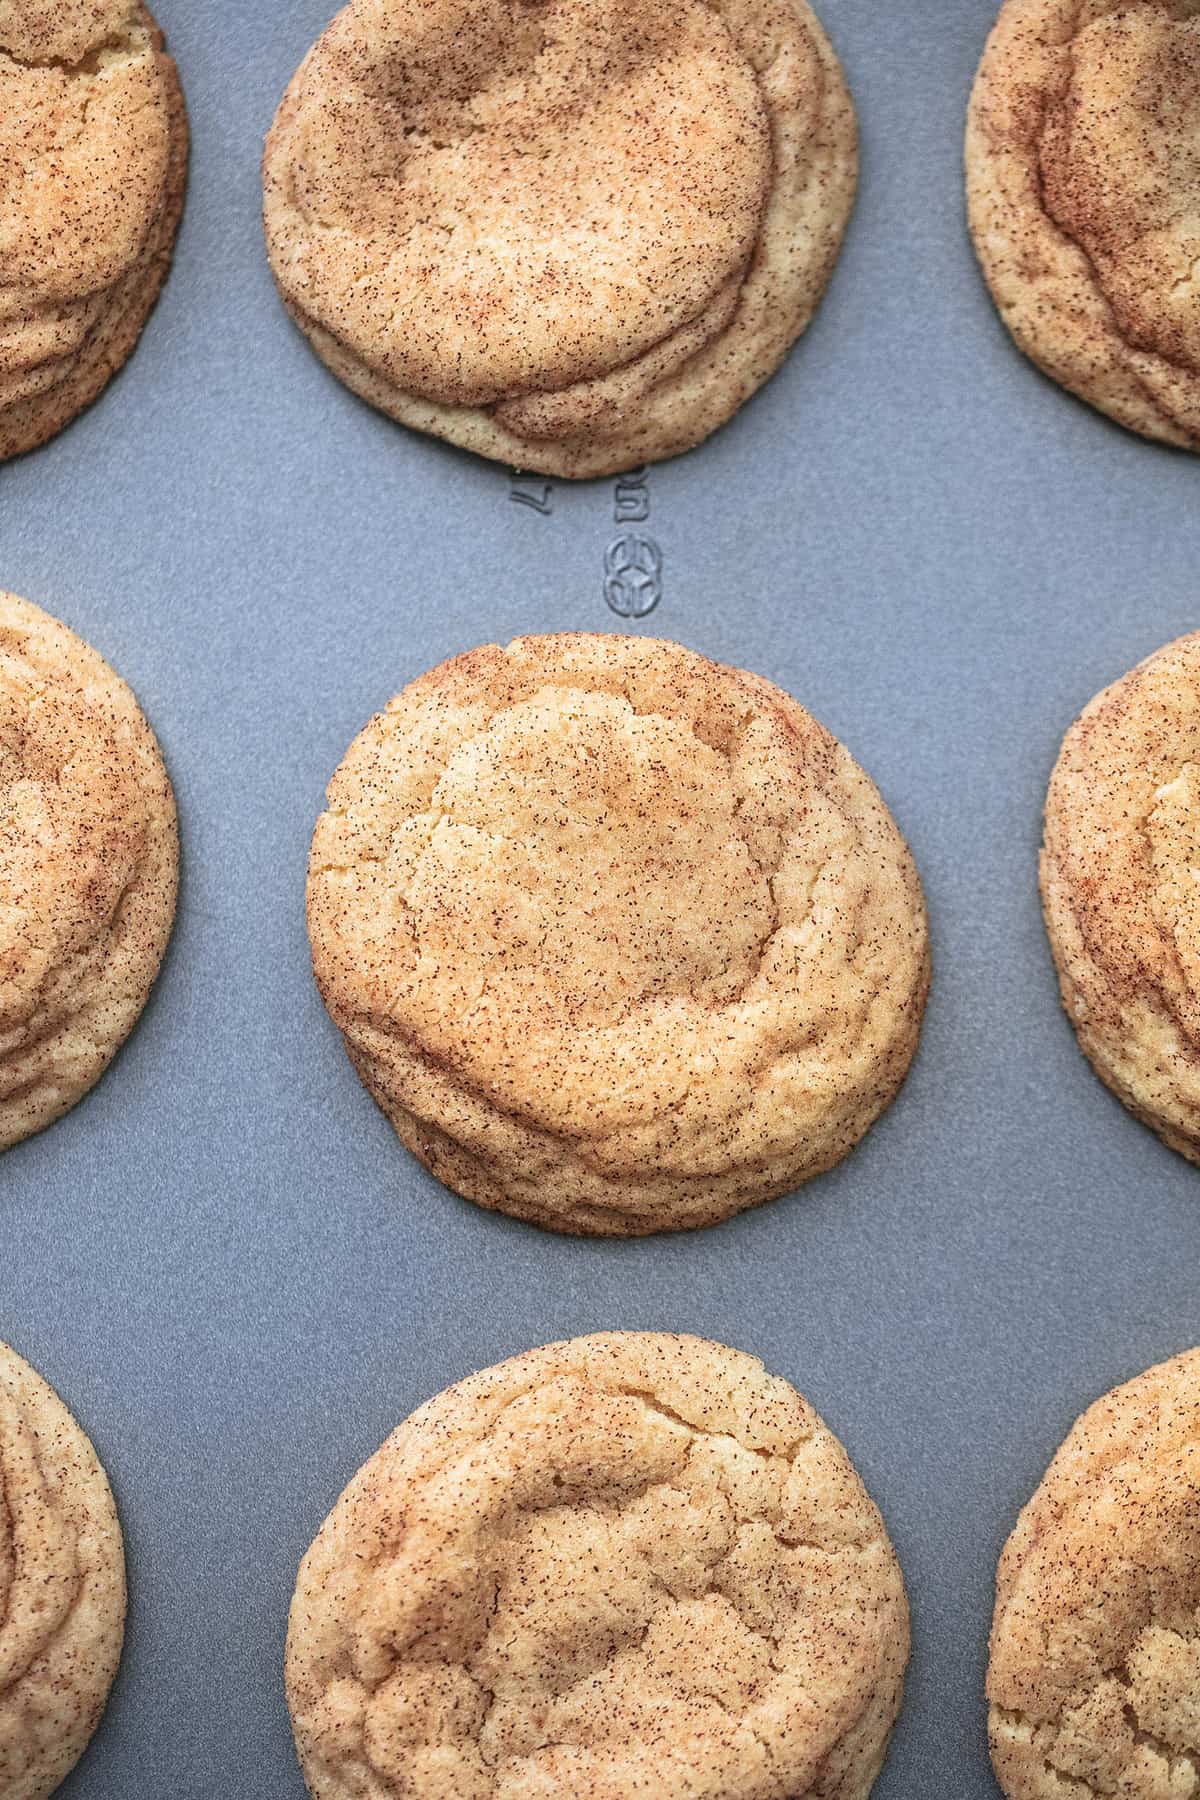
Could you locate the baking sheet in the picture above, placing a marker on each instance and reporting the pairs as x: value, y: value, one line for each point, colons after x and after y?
x: 223, y: 1259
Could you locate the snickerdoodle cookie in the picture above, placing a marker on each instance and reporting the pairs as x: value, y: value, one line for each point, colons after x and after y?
x: 93, y: 148
x: 1121, y: 888
x: 631, y: 1564
x: 88, y: 861
x: 62, y: 1586
x: 1083, y: 161
x: 1094, y: 1680
x: 620, y: 939
x: 573, y: 235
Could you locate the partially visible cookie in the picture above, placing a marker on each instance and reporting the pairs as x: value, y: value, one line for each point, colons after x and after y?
x: 1094, y: 1677
x: 630, y: 1564
x: 621, y: 939
x: 1121, y: 888
x: 88, y: 866
x: 93, y: 153
x: 1082, y: 171
x: 573, y: 235
x: 62, y: 1586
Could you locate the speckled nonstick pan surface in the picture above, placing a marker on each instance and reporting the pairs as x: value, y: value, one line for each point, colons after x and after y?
x: 224, y: 1261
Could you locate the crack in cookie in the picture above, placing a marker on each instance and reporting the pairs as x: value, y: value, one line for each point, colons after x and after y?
x: 573, y: 235
x: 62, y: 1586
x: 629, y: 1564
x: 88, y: 865
x: 620, y: 939
x: 1082, y: 174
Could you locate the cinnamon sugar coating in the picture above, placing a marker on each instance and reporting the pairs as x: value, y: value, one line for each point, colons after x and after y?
x: 62, y: 1586
x: 573, y: 235
x: 620, y: 939
x: 630, y: 1564
x: 88, y: 866
x: 1121, y: 888
x: 1083, y: 167
x: 1094, y: 1677
x: 93, y: 152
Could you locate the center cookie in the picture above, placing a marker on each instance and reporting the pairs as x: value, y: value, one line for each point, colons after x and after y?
x: 571, y: 234
x: 62, y: 1586
x: 621, y: 939
x: 88, y: 866
x: 1095, y: 1659
x: 628, y: 1564
x: 1083, y: 166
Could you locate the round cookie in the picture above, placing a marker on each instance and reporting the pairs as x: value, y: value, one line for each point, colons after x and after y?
x: 572, y: 235
x: 88, y: 866
x: 620, y: 939
x: 631, y: 1564
x: 1082, y: 167
x: 1094, y: 1676
x: 93, y: 154
x: 62, y: 1586
x: 1121, y: 888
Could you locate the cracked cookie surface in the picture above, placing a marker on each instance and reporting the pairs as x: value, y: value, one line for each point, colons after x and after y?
x: 62, y: 1586
x: 1120, y: 880
x: 88, y: 866
x: 621, y: 939
x: 573, y: 235
x: 1083, y: 166
x: 1094, y: 1675
x: 630, y: 1564
x: 93, y: 151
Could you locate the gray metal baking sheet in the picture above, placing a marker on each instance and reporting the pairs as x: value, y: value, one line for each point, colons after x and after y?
x: 223, y: 1259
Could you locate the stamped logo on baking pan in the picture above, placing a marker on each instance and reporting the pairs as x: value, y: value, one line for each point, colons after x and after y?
x: 632, y: 571
x: 633, y: 576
